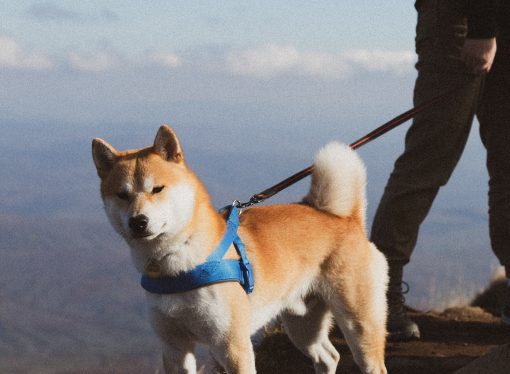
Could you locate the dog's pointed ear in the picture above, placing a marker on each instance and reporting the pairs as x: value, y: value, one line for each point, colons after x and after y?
x: 167, y: 145
x: 104, y: 156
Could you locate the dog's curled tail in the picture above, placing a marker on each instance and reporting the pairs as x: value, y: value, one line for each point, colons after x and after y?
x: 338, y: 182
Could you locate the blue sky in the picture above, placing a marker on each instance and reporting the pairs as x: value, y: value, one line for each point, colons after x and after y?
x: 109, y: 60
x: 134, y: 27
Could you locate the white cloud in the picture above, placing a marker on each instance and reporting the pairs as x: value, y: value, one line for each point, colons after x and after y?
x: 93, y: 63
x: 271, y: 60
x: 14, y: 57
x: 397, y: 62
x: 324, y: 65
x: 263, y: 61
x: 169, y: 60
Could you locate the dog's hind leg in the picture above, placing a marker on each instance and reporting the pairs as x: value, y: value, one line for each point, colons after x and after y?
x: 358, y: 302
x: 309, y: 333
x: 365, y: 338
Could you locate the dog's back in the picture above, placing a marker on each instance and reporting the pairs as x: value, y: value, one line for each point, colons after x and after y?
x: 331, y: 218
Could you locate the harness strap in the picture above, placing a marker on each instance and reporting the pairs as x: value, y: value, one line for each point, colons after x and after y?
x: 230, y: 235
x: 209, y: 272
x: 214, y: 270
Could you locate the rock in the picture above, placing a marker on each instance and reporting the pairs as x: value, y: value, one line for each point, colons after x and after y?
x: 491, y: 300
x: 496, y: 361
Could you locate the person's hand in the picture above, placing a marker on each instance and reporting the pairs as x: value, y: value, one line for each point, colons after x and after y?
x: 478, y: 54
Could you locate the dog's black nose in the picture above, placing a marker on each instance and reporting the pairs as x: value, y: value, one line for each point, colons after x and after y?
x: 139, y: 223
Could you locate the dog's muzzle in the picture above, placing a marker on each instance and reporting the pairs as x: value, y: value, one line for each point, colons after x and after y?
x: 139, y: 224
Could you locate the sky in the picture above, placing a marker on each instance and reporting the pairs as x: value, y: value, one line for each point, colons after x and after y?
x: 253, y: 88
x: 109, y: 60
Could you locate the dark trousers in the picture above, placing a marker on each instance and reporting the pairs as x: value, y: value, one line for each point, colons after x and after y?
x: 436, y: 139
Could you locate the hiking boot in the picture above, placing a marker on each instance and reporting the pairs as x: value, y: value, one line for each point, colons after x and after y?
x: 400, y: 327
x: 505, y: 313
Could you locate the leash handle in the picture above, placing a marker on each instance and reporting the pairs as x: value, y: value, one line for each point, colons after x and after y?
x: 381, y: 130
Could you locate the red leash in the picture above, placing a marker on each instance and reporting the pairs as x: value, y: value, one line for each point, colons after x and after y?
x: 383, y: 129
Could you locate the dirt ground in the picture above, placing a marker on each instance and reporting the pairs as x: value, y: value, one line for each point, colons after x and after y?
x: 450, y: 340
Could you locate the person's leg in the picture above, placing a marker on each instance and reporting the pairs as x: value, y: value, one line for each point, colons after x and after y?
x: 494, y: 117
x: 433, y: 146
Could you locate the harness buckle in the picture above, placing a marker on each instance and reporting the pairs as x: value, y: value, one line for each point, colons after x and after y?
x: 248, y: 281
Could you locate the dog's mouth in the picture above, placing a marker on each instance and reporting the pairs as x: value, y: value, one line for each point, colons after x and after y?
x: 143, y: 236
x: 148, y: 235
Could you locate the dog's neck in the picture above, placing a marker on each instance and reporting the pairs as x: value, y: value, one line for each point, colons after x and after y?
x: 168, y: 256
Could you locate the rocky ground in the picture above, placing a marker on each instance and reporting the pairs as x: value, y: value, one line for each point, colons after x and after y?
x: 461, y: 340
x: 451, y: 340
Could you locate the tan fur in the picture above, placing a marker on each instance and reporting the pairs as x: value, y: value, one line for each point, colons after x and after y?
x: 308, y: 264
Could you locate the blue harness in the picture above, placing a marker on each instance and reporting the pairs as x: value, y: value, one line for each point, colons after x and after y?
x: 214, y: 270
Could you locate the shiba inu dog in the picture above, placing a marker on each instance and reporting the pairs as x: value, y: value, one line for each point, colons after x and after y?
x: 311, y: 262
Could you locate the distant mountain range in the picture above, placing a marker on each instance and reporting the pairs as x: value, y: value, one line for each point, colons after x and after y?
x: 69, y: 299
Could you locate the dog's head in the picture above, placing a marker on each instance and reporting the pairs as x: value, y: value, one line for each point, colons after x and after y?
x: 148, y: 193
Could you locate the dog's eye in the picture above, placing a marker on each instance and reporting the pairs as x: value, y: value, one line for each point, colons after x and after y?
x: 123, y: 196
x: 157, y: 189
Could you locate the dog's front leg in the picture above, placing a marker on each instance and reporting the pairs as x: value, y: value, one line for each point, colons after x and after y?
x: 235, y: 351
x: 236, y: 356
x: 178, y: 360
x: 178, y: 345
x: 206, y: 364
